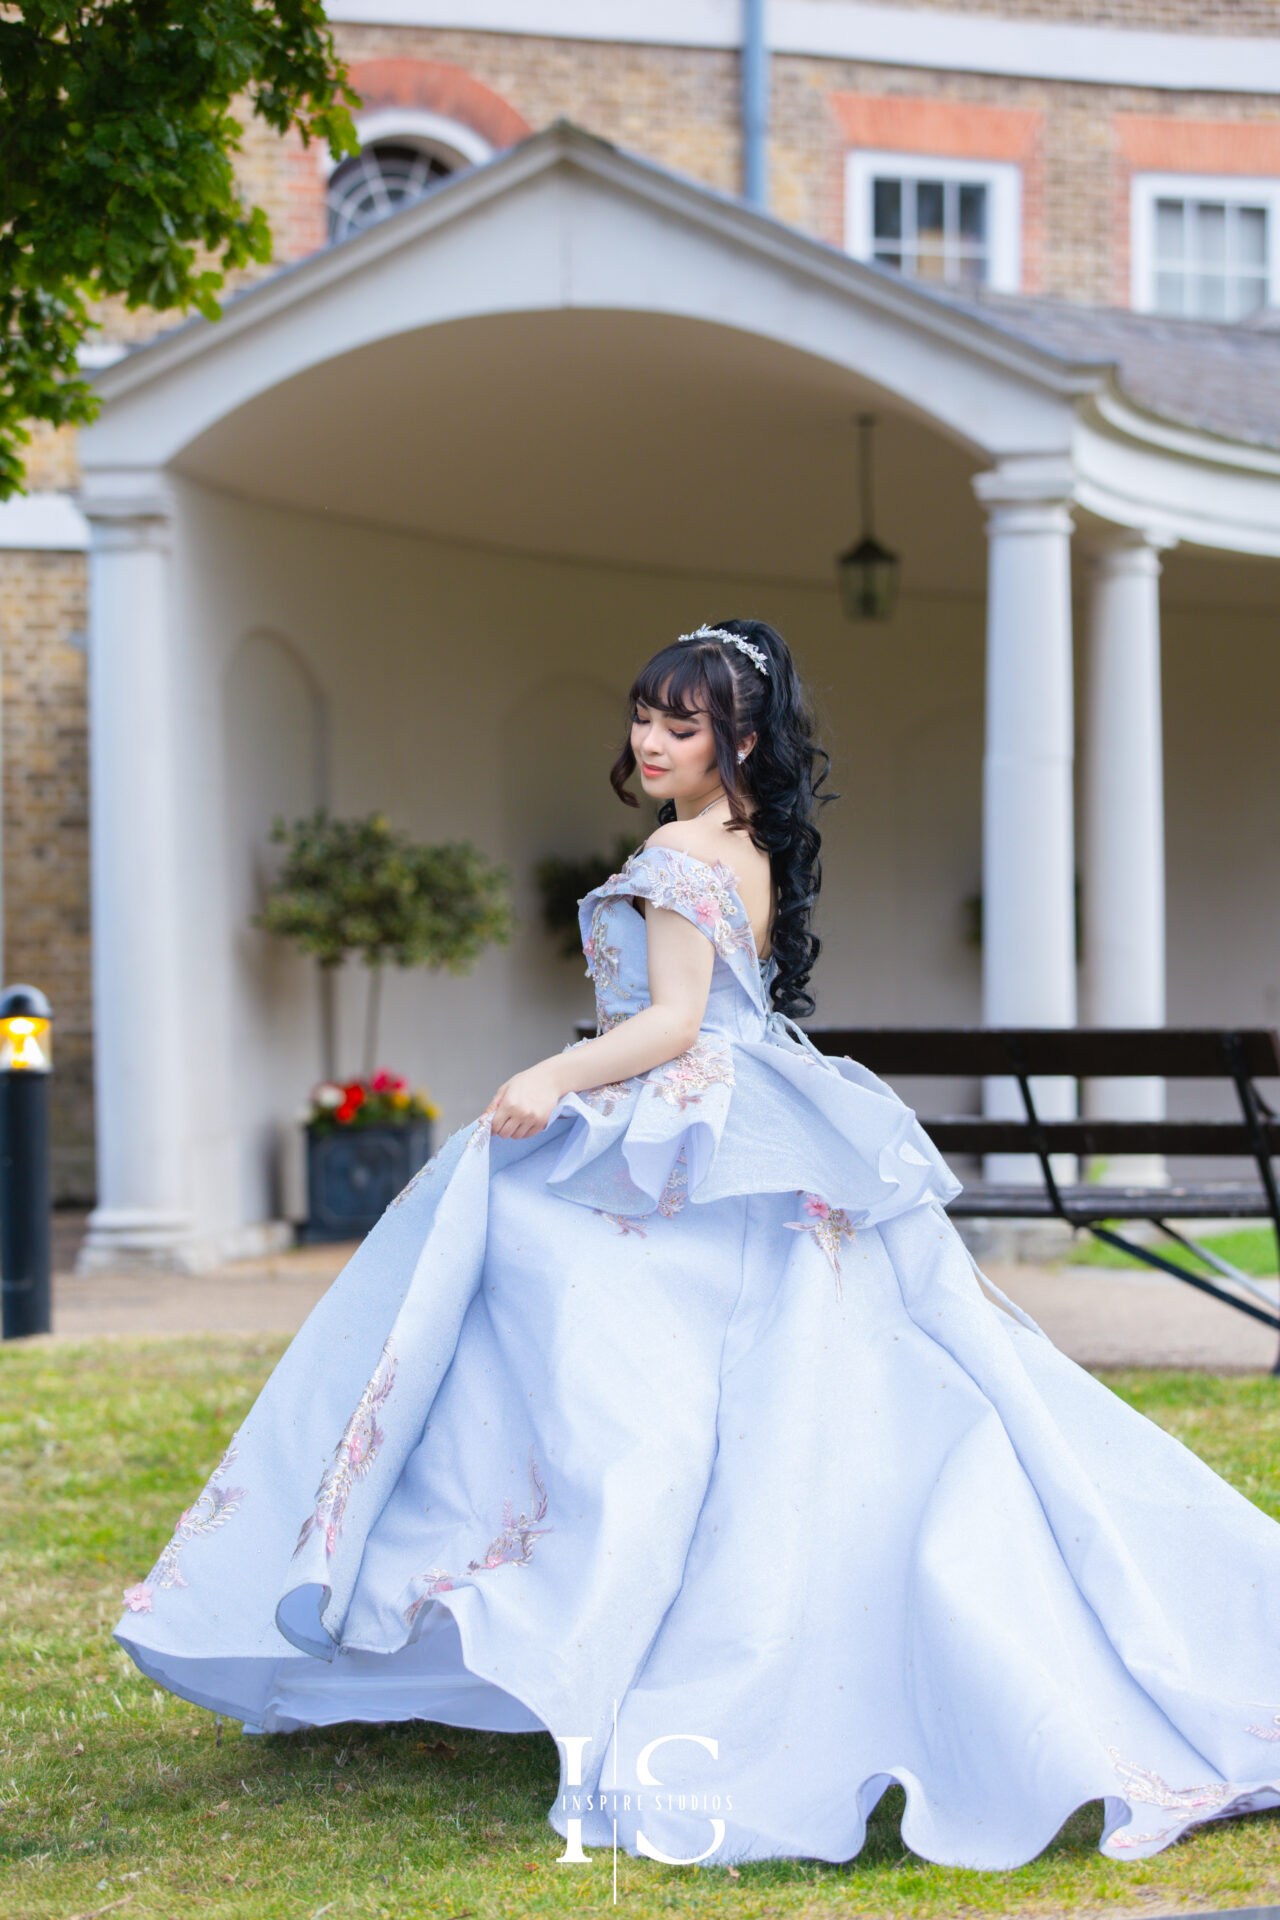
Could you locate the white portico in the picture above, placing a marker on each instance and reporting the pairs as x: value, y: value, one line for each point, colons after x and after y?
x: 397, y: 529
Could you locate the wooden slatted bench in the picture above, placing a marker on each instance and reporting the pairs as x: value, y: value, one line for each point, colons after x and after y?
x: 1241, y: 1056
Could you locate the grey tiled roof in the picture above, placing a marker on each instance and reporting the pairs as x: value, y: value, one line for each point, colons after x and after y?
x: 1222, y: 379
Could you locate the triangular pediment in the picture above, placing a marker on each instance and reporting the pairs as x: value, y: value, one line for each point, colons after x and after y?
x: 565, y: 220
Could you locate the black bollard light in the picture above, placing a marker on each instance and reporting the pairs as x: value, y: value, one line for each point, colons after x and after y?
x: 26, y: 1061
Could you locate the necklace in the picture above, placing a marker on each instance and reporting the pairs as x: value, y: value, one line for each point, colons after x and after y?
x: 711, y: 803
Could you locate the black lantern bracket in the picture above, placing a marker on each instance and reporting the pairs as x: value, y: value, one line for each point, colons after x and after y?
x: 867, y: 574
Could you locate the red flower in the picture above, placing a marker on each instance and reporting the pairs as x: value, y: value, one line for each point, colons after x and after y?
x: 354, y: 1097
x: 384, y: 1081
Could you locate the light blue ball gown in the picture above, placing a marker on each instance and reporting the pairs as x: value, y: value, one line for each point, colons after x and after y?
x: 690, y: 1421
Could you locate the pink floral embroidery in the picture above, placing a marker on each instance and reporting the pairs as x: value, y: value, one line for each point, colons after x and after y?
x: 212, y: 1508
x: 1130, y: 1839
x: 1141, y: 1784
x: 1148, y: 1788
x: 622, y: 1221
x: 353, y: 1458
x: 829, y: 1227
x: 674, y: 1193
x: 481, y: 1131
x: 605, y: 1098
x: 610, y: 1093
x: 512, y: 1547
x: 603, y: 960
x: 423, y: 1173
x: 1267, y: 1733
x: 707, y: 890
x: 683, y: 1081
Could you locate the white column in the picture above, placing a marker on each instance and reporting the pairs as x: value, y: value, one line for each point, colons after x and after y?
x: 1028, y: 861
x: 142, y: 1214
x: 1123, y: 826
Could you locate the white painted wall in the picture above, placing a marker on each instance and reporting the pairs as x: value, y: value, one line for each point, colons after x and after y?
x: 480, y: 696
x: 275, y: 728
x: 1222, y: 820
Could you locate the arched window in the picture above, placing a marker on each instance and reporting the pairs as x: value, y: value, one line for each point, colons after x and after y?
x: 404, y: 153
x: 379, y: 180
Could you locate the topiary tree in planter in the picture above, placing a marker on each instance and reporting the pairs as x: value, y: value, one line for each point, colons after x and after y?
x: 358, y: 886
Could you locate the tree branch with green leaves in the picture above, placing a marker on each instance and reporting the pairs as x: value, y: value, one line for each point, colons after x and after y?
x: 118, y: 141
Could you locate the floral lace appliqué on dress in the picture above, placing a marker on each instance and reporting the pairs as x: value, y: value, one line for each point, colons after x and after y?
x: 706, y: 890
x: 675, y: 1191
x: 683, y: 1081
x: 1141, y: 1784
x: 213, y: 1508
x: 709, y: 890
x: 603, y: 962
x: 355, y: 1453
x: 830, y: 1227
x: 604, y: 1098
x: 512, y: 1547
x: 622, y: 1221
x: 423, y: 1173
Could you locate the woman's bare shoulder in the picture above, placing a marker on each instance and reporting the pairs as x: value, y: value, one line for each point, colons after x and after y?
x: 684, y: 836
x: 708, y: 840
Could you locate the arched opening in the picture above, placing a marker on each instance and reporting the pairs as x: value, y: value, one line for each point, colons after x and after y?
x: 404, y: 153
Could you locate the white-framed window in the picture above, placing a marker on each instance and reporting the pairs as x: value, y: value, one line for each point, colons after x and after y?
x: 404, y: 151
x: 1205, y: 246
x: 954, y: 221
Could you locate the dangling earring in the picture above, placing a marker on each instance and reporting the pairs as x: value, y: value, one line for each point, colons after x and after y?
x: 742, y: 754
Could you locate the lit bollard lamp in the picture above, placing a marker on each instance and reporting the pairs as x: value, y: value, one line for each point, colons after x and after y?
x: 25, y: 1065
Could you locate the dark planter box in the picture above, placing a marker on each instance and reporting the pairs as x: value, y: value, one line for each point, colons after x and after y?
x: 354, y: 1174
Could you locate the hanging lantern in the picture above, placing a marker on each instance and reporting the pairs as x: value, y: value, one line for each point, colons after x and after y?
x: 867, y: 574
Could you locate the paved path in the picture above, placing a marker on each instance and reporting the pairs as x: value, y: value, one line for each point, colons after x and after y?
x: 1098, y: 1317
x: 272, y: 1295
x: 1106, y: 1317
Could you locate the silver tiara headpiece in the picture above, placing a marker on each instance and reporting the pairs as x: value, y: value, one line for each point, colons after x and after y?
x: 755, y: 654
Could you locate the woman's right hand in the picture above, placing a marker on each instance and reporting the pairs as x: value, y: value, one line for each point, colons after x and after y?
x: 523, y: 1105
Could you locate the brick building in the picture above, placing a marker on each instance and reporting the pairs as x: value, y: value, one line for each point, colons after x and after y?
x: 470, y: 450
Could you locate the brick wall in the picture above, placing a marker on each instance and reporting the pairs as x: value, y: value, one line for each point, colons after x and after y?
x: 44, y: 762
x: 680, y: 106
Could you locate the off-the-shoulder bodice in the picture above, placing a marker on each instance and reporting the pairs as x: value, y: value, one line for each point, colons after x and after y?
x: 695, y: 1126
x: 615, y: 942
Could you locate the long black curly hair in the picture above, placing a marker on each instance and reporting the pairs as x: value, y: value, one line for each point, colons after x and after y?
x: 781, y: 775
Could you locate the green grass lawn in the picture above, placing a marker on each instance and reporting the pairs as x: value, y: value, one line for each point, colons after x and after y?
x: 118, y: 1798
x: 1252, y: 1249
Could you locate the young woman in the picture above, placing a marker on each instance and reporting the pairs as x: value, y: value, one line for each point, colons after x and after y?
x: 665, y: 1410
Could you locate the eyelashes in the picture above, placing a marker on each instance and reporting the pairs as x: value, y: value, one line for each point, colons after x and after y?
x: 687, y: 735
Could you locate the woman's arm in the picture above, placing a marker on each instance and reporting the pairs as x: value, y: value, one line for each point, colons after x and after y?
x: 681, y: 959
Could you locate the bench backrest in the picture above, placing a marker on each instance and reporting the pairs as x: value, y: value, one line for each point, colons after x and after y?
x: 1172, y: 1053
